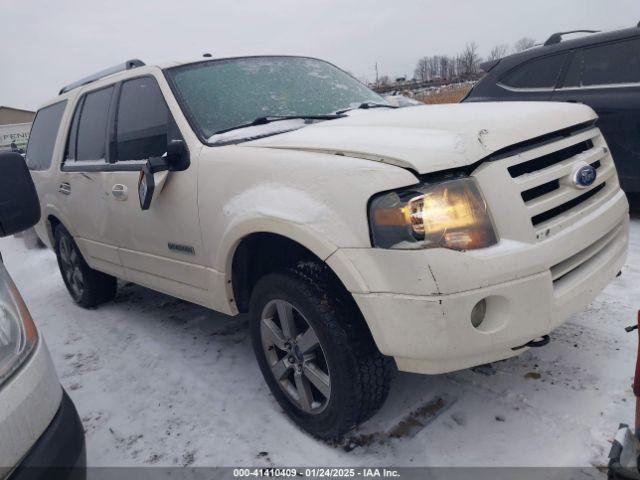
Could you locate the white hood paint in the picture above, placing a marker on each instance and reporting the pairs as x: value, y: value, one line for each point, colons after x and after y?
x: 432, y: 137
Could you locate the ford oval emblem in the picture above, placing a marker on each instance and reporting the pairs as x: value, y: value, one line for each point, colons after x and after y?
x: 584, y: 176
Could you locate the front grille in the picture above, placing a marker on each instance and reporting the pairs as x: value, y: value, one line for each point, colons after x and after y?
x: 542, y: 174
x: 544, y: 216
x: 540, y: 190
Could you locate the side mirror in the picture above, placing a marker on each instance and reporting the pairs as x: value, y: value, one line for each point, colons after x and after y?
x: 176, y: 159
x: 19, y: 204
x: 178, y: 156
x: 147, y: 182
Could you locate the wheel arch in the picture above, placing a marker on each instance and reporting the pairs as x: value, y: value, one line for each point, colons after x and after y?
x: 52, y: 217
x: 265, y: 250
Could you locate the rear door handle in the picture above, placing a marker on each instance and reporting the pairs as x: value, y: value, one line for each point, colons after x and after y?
x: 120, y: 192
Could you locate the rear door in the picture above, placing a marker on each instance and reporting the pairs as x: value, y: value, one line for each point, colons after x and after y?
x: 607, y: 78
x: 83, y: 197
x: 160, y: 247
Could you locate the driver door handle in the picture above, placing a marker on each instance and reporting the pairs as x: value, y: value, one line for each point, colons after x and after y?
x: 120, y: 192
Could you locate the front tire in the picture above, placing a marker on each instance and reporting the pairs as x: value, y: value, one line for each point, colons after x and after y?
x: 315, y: 352
x: 87, y: 286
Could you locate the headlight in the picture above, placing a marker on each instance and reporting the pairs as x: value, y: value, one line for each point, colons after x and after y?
x: 451, y: 214
x: 18, y: 334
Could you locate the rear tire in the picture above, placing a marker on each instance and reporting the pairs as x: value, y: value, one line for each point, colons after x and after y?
x: 344, y: 375
x: 87, y: 286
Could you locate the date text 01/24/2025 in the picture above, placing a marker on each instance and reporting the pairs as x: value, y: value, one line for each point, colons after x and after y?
x: 317, y: 472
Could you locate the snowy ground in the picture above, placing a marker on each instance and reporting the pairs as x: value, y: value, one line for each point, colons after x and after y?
x: 158, y: 381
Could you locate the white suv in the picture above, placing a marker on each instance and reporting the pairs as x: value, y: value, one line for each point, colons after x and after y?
x: 441, y: 236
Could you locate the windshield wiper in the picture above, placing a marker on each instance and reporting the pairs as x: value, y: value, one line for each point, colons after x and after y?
x: 365, y: 106
x: 277, y: 118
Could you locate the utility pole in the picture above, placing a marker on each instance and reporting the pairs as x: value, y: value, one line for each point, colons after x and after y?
x: 377, y: 79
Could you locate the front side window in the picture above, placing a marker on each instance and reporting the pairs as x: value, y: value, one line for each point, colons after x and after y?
x: 610, y: 64
x: 541, y: 73
x: 43, y: 136
x: 90, y: 128
x: 222, y: 94
x: 142, y: 120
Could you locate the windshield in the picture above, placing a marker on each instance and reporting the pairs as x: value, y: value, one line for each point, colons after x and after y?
x: 222, y: 94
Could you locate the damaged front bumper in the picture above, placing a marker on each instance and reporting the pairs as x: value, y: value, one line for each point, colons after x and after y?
x: 418, y: 316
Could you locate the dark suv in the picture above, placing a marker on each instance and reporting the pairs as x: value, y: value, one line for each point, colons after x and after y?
x: 601, y: 70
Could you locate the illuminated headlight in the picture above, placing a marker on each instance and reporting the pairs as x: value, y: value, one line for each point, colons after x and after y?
x: 18, y: 334
x: 451, y: 214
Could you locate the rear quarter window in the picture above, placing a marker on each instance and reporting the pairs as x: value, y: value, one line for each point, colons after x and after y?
x: 43, y: 136
x: 539, y: 73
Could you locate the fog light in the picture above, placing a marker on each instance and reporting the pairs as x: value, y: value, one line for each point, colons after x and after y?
x: 478, y: 313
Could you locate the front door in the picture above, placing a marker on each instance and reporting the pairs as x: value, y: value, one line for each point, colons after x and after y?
x: 160, y: 247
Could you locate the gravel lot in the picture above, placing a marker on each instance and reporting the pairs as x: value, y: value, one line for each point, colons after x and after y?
x: 159, y: 381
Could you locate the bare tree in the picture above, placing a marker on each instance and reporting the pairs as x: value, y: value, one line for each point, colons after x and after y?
x: 384, y: 81
x: 523, y: 44
x: 447, y: 68
x: 434, y: 65
x: 459, y: 65
x: 422, y: 70
x: 498, y: 52
x: 470, y: 59
x: 445, y: 62
x: 452, y: 68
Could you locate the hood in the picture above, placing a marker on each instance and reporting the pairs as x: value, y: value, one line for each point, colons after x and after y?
x: 432, y: 137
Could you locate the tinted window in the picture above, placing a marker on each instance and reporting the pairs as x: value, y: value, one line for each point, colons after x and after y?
x: 92, y: 126
x: 605, y: 64
x: 43, y: 136
x: 572, y: 78
x: 142, y: 120
x: 70, y: 150
x: 542, y: 73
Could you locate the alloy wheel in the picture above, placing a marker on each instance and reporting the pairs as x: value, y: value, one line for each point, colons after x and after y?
x: 70, y: 261
x: 295, y: 356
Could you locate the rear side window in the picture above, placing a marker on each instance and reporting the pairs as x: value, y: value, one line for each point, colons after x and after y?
x: 541, y: 73
x: 142, y: 120
x: 90, y: 128
x: 43, y: 136
x: 609, y: 64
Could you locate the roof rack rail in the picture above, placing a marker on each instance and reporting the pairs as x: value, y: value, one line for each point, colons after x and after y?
x: 557, y: 37
x: 128, y: 65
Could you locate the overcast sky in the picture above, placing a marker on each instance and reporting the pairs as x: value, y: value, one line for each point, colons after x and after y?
x: 47, y: 44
